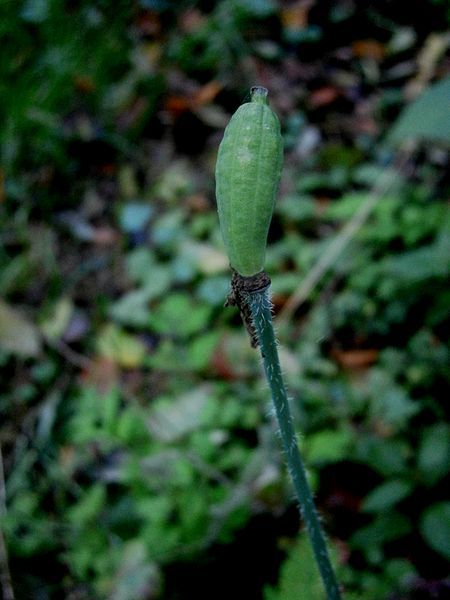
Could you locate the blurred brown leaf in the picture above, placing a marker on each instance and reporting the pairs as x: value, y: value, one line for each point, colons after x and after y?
x: 355, y: 359
x: 296, y: 15
x: 149, y: 23
x: 84, y: 83
x: 323, y: 96
x: 369, y: 49
x: 103, y: 374
x: 177, y: 104
x: 206, y: 94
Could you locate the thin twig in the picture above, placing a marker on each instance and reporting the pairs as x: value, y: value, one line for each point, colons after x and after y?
x: 72, y: 357
x: 5, y: 574
x: 335, y: 248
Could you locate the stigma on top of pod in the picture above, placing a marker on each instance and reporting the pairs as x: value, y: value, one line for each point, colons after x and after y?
x: 259, y: 94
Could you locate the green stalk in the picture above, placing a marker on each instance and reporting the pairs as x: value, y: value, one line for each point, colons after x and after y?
x: 260, y: 307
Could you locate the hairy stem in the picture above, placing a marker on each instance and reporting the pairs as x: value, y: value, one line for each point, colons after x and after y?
x: 259, y: 303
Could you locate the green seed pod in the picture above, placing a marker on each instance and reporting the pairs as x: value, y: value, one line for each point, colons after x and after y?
x: 248, y: 173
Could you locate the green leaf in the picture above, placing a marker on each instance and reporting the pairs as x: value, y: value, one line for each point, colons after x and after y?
x: 434, y: 453
x: 328, y: 446
x: 89, y: 506
x: 156, y: 509
x: 132, y: 308
x: 345, y: 207
x: 213, y: 290
x: 203, y: 258
x: 18, y: 335
x: 54, y: 326
x: 385, y: 528
x: 179, y: 315
x: 172, y: 419
x: 435, y: 527
x: 140, y: 263
x: 386, y: 495
x: 120, y: 347
x: 175, y: 182
x: 427, y: 117
x: 201, y: 349
x: 422, y: 263
x: 135, y: 575
x: 257, y: 8
x: 389, y: 402
x: 134, y: 216
x: 143, y: 269
x: 131, y: 428
x: 299, y: 577
x: 386, y: 456
x: 35, y: 11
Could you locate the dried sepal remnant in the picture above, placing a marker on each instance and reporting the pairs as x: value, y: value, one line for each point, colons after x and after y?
x: 248, y: 172
x: 241, y: 287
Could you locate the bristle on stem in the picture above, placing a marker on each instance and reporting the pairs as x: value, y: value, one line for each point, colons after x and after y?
x: 260, y: 308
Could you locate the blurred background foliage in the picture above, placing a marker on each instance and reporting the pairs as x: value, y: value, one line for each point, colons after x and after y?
x: 138, y: 453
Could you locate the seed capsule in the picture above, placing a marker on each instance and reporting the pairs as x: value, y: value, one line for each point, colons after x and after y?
x: 248, y: 173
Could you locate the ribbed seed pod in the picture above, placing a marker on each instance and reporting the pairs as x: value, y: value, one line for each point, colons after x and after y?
x: 248, y: 173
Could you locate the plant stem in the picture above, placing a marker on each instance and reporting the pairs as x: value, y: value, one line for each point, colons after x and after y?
x: 260, y: 307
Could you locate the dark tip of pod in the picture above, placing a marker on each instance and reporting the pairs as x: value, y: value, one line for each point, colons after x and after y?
x: 258, y: 94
